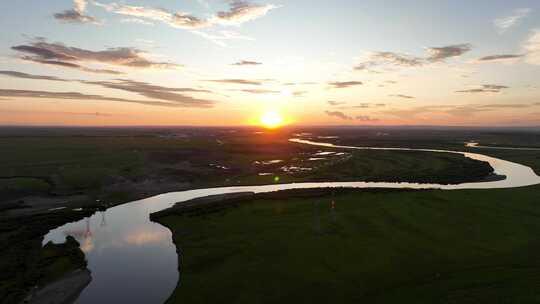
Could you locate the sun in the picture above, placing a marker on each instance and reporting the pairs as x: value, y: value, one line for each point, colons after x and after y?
x: 271, y: 119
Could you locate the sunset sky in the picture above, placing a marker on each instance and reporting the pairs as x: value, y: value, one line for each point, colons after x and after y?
x: 217, y: 62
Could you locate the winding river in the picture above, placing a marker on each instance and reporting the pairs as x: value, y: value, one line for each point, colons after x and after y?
x: 134, y: 260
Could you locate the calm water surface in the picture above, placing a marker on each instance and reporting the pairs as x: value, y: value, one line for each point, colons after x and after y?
x: 133, y: 260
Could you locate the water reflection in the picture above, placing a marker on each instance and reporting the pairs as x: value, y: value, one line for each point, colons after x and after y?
x: 132, y: 260
x: 146, y: 237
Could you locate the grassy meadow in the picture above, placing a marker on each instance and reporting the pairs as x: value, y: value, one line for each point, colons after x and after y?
x: 469, y: 246
x: 383, y: 246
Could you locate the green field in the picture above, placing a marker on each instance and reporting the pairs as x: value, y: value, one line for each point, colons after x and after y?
x: 379, y: 246
x: 124, y: 165
x: 477, y: 246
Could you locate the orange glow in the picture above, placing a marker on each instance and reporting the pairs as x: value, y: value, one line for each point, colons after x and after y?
x: 271, y: 119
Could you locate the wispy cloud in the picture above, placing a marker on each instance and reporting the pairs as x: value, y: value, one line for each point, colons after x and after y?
x: 299, y: 93
x: 259, y: 91
x: 76, y: 14
x: 485, y: 88
x: 503, y: 24
x: 460, y: 111
x: 220, y: 37
x: 80, y: 96
x: 402, y: 96
x: 393, y: 59
x: 344, y: 84
x: 16, y: 74
x: 298, y: 83
x: 240, y: 12
x: 500, y: 58
x: 238, y: 81
x: 136, y: 20
x: 175, y: 97
x: 339, y: 114
x: 364, y: 105
x: 40, y: 51
x: 176, y: 19
x: 172, y: 95
x: 59, y: 113
x: 335, y: 103
x: 246, y: 62
x: 437, y: 54
x: 376, y: 59
x: 366, y: 118
x: 532, y: 47
x: 506, y: 105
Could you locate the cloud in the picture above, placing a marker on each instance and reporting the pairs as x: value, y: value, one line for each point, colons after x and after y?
x: 470, y: 110
x: 136, y: 20
x: 506, y: 105
x: 335, y: 103
x: 177, y: 19
x: 485, y: 88
x: 376, y: 59
x: 397, y: 59
x: 363, y: 106
x: 71, y: 66
x: 60, y: 112
x: 246, y: 62
x: 30, y: 76
x: 240, y: 12
x: 341, y: 115
x: 505, y: 23
x: 172, y: 95
x: 76, y: 15
x: 441, y: 53
x: 532, y: 47
x: 58, y: 54
x: 409, y: 113
x: 402, y: 96
x: 344, y: 84
x: 298, y: 83
x: 338, y: 114
x: 454, y: 110
x: 220, y: 37
x: 299, y: 93
x: 390, y: 59
x: 366, y: 118
x: 260, y: 91
x: 238, y: 81
x: 80, y: 96
x: 465, y: 111
x: 500, y: 58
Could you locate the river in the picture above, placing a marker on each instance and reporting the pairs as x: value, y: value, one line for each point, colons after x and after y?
x: 134, y: 260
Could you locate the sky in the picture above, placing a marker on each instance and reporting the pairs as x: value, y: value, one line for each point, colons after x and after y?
x: 219, y: 62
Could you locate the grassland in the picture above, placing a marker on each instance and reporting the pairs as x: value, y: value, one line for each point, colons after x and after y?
x: 118, y: 165
x: 98, y: 168
x: 373, y: 246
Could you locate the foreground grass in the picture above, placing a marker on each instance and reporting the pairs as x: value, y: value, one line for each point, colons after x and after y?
x: 381, y: 247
